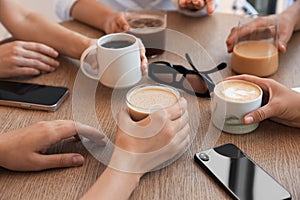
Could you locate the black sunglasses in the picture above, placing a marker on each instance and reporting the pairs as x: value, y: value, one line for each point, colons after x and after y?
x: 191, y: 81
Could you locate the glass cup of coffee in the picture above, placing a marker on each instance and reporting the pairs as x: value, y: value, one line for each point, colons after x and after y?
x: 232, y: 100
x: 255, y: 51
x: 146, y: 98
x: 150, y: 27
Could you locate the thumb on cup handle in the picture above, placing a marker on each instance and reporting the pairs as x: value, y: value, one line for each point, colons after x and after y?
x: 82, y: 62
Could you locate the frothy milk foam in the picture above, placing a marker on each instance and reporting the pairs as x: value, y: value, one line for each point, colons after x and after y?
x: 144, y: 100
x: 238, y: 91
x: 148, y: 97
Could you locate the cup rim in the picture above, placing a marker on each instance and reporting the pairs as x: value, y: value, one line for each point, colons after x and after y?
x: 116, y: 37
x: 159, y: 14
x: 246, y: 19
x: 138, y: 87
x: 238, y: 102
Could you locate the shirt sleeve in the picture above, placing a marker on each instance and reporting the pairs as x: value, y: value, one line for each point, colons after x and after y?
x: 197, y: 13
x: 63, y: 9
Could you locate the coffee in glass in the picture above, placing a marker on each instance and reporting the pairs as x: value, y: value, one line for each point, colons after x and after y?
x: 150, y: 27
x: 255, y: 50
x: 145, y: 99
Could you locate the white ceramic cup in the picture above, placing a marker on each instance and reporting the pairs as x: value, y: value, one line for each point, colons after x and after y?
x: 232, y: 100
x: 115, y: 67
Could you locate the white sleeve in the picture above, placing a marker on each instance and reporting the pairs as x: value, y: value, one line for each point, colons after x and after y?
x: 197, y: 13
x: 63, y: 9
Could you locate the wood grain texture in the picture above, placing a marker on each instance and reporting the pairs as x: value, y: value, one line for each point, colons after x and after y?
x: 273, y: 146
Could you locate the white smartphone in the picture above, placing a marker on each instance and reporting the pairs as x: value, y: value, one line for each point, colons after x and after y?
x: 240, y: 176
x: 32, y: 96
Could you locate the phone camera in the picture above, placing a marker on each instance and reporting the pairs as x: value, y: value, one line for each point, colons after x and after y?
x: 204, y: 156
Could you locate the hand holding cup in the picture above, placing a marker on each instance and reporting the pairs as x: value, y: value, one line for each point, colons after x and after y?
x: 255, y: 46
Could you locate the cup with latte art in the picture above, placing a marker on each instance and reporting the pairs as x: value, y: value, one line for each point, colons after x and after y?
x: 232, y: 100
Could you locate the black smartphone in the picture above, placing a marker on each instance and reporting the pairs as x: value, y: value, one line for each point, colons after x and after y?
x: 241, y: 177
x: 32, y: 96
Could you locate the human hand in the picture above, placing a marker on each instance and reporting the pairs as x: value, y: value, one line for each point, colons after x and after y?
x: 24, y: 149
x: 198, y: 5
x: 285, y: 30
x: 20, y: 58
x: 143, y: 145
x: 275, y: 103
x: 144, y: 60
x: 116, y: 23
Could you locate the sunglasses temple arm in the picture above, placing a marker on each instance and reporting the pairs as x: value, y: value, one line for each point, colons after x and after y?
x: 209, y: 82
x: 187, y: 56
x: 215, y: 69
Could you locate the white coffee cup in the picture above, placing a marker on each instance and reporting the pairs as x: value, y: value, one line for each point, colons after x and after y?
x: 117, y: 61
x: 232, y: 100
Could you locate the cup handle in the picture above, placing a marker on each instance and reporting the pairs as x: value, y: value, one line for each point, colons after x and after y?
x: 91, y: 72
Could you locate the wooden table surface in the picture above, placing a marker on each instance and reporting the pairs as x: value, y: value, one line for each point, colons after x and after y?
x: 273, y: 146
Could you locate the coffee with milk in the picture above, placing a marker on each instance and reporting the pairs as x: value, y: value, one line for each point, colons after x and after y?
x: 232, y: 100
x: 145, y: 99
x: 238, y: 91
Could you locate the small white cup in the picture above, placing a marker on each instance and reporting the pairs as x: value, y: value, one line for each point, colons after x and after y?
x: 116, y: 66
x: 232, y: 100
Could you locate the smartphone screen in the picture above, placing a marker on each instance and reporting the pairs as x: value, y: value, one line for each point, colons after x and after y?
x: 239, y: 175
x: 31, y: 96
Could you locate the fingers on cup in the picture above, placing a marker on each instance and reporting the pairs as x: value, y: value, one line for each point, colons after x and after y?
x: 230, y: 39
x: 210, y: 6
x: 259, y: 115
x: 179, y: 142
x: 177, y: 110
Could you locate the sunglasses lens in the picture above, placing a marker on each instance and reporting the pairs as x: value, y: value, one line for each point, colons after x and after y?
x: 195, y: 84
x: 161, y: 73
x: 180, y: 77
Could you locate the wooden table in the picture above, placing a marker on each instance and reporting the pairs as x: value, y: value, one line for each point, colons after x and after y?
x: 273, y: 146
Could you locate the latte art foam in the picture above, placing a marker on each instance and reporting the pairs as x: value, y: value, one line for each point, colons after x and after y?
x: 239, y: 91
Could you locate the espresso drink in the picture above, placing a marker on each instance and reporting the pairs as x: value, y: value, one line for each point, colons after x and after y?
x: 255, y: 57
x: 143, y: 100
x: 238, y: 91
x: 234, y: 99
x: 151, y: 31
x: 117, y: 44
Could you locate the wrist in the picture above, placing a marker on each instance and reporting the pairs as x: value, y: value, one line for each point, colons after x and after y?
x: 82, y: 44
x: 293, y: 14
x: 105, y: 23
x: 133, y: 178
x: 2, y: 151
x: 126, y: 163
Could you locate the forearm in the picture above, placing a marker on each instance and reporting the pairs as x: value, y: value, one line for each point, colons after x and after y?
x: 91, y: 12
x: 26, y: 25
x: 297, y: 25
x: 2, y: 147
x: 113, y: 184
x: 65, y: 41
x: 294, y: 13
